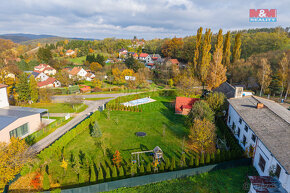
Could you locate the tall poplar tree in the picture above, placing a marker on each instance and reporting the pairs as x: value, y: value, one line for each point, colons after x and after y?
x: 205, y: 58
x: 33, y: 89
x: 217, y: 72
x: 197, y: 48
x: 264, y: 75
x: 22, y: 89
x: 283, y: 72
x: 237, y: 48
x: 227, y: 50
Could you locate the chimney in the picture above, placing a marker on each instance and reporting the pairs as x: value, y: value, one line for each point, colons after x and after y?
x: 260, y: 105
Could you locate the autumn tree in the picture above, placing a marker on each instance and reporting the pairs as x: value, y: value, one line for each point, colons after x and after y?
x: 197, y: 49
x: 33, y: 89
x: 200, y: 110
x: 13, y: 156
x: 217, y: 72
x: 44, y: 54
x: 216, y: 101
x: 22, y: 89
x: 227, y: 50
x: 202, y: 136
x: 172, y: 47
x: 237, y: 48
x: 283, y: 72
x: 206, y: 57
x: 117, y: 159
x: 95, y: 66
x: 187, y: 85
x: 264, y: 74
x: 63, y: 78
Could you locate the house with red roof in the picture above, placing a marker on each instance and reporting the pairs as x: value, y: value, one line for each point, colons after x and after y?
x: 70, y: 52
x: 85, y: 89
x: 78, y: 72
x: 45, y: 68
x: 50, y: 82
x: 183, y: 105
x: 143, y: 56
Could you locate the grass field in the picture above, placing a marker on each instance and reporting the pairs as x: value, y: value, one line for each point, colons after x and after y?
x: 59, y: 107
x: 79, y: 60
x: 163, y: 128
x: 226, y: 181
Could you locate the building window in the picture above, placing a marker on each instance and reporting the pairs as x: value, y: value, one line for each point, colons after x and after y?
x: 246, y: 128
x: 233, y: 126
x: 240, y: 121
x: 20, y: 131
x: 244, y: 140
x: 278, y: 171
x: 253, y: 138
x: 229, y: 119
x: 262, y: 163
x: 239, y: 131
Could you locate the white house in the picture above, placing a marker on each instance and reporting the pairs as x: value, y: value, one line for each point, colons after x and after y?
x: 90, y: 76
x: 70, y: 52
x: 78, y: 72
x: 263, y: 127
x: 148, y: 59
x: 39, y: 76
x: 143, y: 56
x: 50, y: 82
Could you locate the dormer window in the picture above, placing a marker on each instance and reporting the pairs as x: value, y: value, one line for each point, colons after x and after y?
x: 240, y: 121
x: 246, y: 128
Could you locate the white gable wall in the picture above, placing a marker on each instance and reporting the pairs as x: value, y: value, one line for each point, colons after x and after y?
x: 3, y: 98
x: 82, y: 73
x: 260, y: 148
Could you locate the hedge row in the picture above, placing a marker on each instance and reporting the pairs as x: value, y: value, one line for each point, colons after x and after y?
x: 68, y: 137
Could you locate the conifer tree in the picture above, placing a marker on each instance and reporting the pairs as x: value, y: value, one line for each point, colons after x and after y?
x: 114, y: 173
x: 202, y: 159
x: 212, y: 158
x: 142, y: 170
x: 100, y: 175
x: 207, y: 159
x: 108, y: 174
x: 45, y: 181
x: 167, y: 164
x: 191, y: 161
x: 117, y: 158
x: 161, y: 167
x: 218, y: 155
x: 93, y: 177
x: 121, y: 172
x: 172, y: 165
x: 22, y: 89
x: 148, y: 168
x: 196, y: 163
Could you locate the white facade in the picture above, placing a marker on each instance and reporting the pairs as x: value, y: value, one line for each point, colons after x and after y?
x: 148, y: 59
x: 242, y: 134
x: 49, y: 72
x: 3, y: 97
x: 41, y: 77
x: 82, y: 73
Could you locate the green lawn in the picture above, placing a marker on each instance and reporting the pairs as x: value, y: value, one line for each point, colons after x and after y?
x: 78, y: 60
x: 97, y: 99
x: 59, y: 107
x: 226, y: 181
x: 118, y: 133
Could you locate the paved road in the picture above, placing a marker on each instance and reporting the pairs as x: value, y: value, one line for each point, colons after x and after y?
x: 92, y: 106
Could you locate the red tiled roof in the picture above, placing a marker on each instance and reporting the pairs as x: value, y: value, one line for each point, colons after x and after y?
x: 69, y: 51
x: 50, y: 80
x: 135, y: 54
x: 3, y: 86
x: 184, y: 102
x: 154, y: 58
x: 174, y: 61
x: 48, y: 68
x: 150, y: 64
x: 75, y: 71
x: 86, y: 88
x: 143, y: 55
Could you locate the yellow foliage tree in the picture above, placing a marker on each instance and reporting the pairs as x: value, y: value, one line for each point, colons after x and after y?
x: 64, y: 164
x: 13, y: 156
x: 95, y: 66
x: 202, y: 136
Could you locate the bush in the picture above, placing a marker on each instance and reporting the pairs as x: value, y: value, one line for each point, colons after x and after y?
x: 207, y: 159
x: 202, y: 159
x: 218, y: 155
x: 45, y: 182
x: 191, y: 161
x: 196, y: 163
x: 142, y: 170
x: 121, y: 172
x: 58, y: 190
x: 100, y: 175
x: 108, y: 174
x: 93, y: 177
x: 114, y: 173
x: 183, y: 161
x: 148, y: 168
x: 212, y: 158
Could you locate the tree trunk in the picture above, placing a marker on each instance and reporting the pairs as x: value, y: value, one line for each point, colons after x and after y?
x: 286, y: 93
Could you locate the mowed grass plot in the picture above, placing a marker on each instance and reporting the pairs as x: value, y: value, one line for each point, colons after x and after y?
x: 157, y: 119
x: 228, y: 180
x: 59, y: 107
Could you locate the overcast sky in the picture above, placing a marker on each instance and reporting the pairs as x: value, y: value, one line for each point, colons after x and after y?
x: 125, y: 18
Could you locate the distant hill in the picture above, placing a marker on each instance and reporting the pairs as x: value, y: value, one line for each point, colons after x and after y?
x: 19, y: 37
x: 27, y: 39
